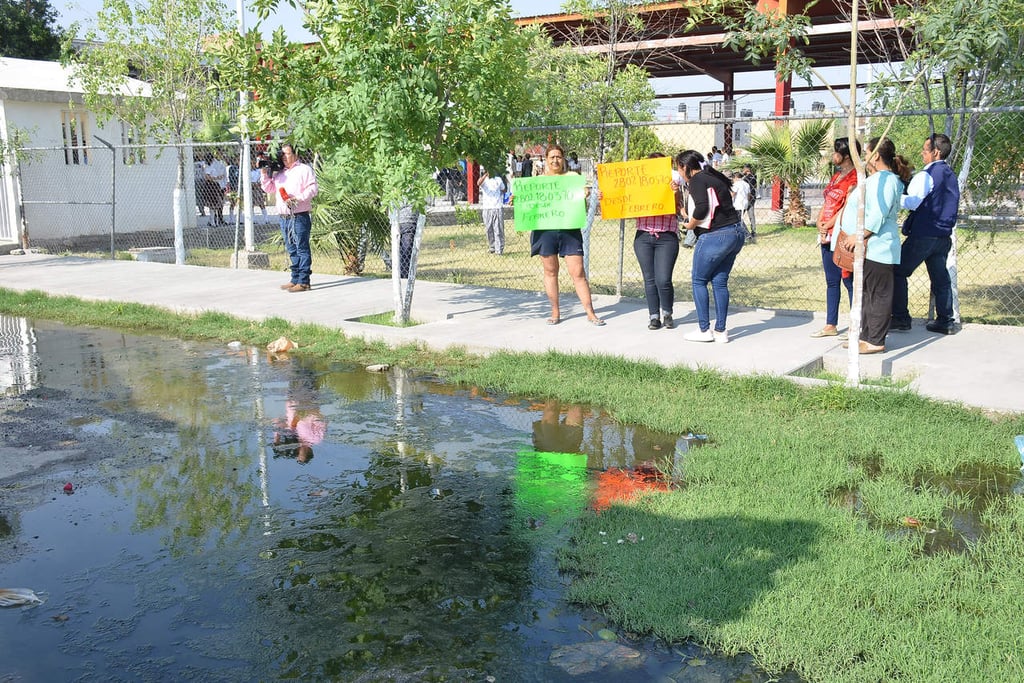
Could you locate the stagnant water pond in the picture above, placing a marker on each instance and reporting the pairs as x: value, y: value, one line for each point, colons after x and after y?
x: 234, y: 516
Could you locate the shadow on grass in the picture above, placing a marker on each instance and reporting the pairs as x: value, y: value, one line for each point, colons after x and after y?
x: 715, y: 567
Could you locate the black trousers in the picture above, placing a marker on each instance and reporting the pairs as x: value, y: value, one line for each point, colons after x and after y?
x: 876, y: 312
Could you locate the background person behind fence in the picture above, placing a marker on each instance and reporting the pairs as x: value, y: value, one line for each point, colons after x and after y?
x: 740, y: 193
x: 215, y: 179
x: 751, y: 178
x: 492, y: 199
x: 933, y: 198
x: 843, y: 181
x: 293, y: 185
x: 259, y: 197
x: 720, y: 237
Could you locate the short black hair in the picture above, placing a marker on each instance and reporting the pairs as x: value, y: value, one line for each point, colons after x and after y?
x: 941, y: 144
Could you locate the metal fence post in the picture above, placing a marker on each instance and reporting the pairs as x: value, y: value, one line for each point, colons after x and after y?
x: 113, y: 191
x: 622, y: 221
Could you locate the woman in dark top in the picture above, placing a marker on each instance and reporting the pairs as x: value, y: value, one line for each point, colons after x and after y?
x: 720, y: 236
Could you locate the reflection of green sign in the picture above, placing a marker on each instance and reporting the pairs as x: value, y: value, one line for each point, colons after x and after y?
x: 550, y: 202
x: 551, y: 485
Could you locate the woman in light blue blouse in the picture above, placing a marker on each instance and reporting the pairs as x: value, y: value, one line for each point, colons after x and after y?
x: 888, y: 175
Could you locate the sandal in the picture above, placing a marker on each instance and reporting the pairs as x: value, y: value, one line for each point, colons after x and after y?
x: 554, y: 321
x: 596, y: 322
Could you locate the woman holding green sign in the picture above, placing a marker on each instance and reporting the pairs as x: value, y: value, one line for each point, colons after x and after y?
x: 550, y: 244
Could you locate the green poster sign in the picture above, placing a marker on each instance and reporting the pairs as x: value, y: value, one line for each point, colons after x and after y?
x: 550, y: 202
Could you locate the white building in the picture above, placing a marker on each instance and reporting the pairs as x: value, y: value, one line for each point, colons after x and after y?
x: 68, y: 177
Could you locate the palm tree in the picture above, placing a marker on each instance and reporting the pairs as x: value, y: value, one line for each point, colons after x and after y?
x: 347, y: 223
x: 792, y: 157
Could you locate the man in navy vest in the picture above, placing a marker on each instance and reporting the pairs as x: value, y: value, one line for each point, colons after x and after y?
x: 933, y: 198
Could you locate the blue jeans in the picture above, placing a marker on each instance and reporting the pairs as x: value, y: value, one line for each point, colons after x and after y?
x: 295, y: 231
x: 656, y: 253
x: 932, y: 251
x: 713, y: 258
x: 833, y: 295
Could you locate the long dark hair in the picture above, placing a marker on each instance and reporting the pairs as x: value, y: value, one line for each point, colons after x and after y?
x: 842, y: 146
x: 886, y: 151
x: 694, y: 161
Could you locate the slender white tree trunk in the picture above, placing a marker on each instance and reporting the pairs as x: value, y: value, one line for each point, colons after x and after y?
x: 178, y: 210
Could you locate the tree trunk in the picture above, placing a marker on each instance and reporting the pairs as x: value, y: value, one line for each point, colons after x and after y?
x: 178, y: 210
x: 796, y: 215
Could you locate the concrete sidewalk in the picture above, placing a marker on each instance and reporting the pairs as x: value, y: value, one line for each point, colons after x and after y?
x: 981, y: 366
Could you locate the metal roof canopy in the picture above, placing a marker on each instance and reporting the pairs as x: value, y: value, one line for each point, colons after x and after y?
x: 665, y: 51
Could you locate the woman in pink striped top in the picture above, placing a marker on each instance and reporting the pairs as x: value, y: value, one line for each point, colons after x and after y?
x: 656, y: 246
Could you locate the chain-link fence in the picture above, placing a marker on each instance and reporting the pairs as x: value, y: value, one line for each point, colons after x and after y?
x: 121, y: 201
x: 126, y: 200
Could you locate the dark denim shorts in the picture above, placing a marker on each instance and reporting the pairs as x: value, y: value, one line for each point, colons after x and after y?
x: 561, y: 242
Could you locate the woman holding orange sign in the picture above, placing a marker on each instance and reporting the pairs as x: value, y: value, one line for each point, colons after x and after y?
x: 656, y: 246
x: 639, y: 189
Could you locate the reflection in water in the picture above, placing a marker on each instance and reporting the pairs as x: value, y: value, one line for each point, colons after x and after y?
x: 303, y: 425
x: 17, y: 356
x: 418, y: 544
x: 959, y: 528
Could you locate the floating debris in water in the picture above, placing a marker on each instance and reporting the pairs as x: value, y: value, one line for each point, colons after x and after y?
x: 69, y: 488
x: 379, y: 367
x: 19, y: 597
x: 281, y: 345
x: 234, y: 345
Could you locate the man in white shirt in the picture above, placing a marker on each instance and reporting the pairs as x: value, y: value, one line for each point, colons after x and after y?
x: 492, y: 195
x: 740, y: 195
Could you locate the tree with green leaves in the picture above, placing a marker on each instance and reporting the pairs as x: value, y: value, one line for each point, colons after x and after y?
x: 164, y: 42
x: 28, y: 30
x: 394, y: 89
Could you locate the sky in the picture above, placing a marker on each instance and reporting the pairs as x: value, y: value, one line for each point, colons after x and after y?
x: 667, y: 109
x: 288, y: 17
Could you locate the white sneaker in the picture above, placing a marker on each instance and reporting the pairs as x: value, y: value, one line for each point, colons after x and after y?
x: 698, y: 336
x: 721, y: 337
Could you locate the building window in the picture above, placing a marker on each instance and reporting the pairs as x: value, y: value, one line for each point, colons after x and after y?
x: 73, y: 128
x: 131, y: 155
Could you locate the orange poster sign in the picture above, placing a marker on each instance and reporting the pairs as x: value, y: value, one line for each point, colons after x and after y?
x: 636, y: 188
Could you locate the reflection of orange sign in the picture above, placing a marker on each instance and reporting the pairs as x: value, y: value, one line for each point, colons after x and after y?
x: 615, y: 484
x: 636, y: 188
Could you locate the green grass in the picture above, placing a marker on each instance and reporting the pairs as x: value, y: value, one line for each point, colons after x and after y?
x: 884, y: 381
x: 753, y: 552
x: 386, y: 319
x: 782, y: 270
